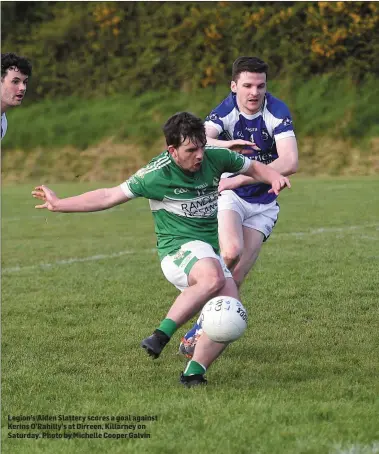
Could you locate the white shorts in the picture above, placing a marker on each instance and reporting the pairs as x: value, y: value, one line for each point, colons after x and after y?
x: 177, y: 267
x: 258, y: 216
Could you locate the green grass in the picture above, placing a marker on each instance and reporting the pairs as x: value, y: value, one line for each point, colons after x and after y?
x: 324, y: 105
x: 303, y: 379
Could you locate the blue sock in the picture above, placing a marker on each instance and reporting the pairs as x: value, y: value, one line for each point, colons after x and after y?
x: 192, y: 331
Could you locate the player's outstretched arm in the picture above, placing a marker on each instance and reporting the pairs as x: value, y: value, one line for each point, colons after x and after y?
x: 237, y: 145
x: 261, y: 172
x: 100, y: 199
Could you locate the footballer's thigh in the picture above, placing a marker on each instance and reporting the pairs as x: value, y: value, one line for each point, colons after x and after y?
x: 207, y: 273
x: 206, y: 280
x: 196, y: 262
x: 199, y: 273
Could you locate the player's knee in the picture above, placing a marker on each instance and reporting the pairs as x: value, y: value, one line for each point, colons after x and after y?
x: 213, y: 282
x: 216, y: 283
x: 231, y: 253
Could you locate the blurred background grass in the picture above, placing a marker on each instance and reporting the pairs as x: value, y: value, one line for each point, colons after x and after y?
x: 109, y: 138
x: 321, y: 106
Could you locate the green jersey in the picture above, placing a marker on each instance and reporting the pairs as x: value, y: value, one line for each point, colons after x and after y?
x: 184, y: 204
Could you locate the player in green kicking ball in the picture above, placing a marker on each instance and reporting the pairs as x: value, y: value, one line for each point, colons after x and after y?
x: 182, y: 187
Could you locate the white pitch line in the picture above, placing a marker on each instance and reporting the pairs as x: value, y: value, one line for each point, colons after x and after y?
x: 44, y: 218
x: 61, y: 215
x: 4, y: 219
x: 318, y: 231
x: 321, y: 230
x: 357, y: 449
x: 92, y: 258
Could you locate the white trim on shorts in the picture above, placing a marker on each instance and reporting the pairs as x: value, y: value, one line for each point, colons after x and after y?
x: 177, y: 267
x: 257, y: 216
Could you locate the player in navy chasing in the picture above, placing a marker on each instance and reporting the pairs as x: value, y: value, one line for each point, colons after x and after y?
x: 253, y: 118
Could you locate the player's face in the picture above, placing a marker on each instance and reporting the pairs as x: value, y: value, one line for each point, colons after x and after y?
x: 13, y: 88
x: 188, y: 155
x: 250, y: 89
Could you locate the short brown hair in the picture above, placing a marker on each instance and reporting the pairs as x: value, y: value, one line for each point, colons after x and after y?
x: 184, y: 125
x: 250, y: 65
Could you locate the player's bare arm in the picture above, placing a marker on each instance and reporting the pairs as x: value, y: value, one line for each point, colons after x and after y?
x: 265, y: 174
x: 98, y: 200
x: 234, y: 182
x: 237, y: 145
x: 286, y: 164
x: 287, y: 161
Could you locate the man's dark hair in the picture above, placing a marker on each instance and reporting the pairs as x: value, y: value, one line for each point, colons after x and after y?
x: 250, y: 65
x: 182, y: 126
x: 11, y: 61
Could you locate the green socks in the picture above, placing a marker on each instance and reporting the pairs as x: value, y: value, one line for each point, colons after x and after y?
x: 168, y: 327
x: 194, y: 368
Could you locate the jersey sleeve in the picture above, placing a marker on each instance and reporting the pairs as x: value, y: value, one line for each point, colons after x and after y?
x: 284, y: 128
x: 228, y: 160
x: 143, y: 183
x: 221, y: 116
x: 214, y: 120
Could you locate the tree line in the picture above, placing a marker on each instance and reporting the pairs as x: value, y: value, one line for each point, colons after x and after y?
x: 91, y: 49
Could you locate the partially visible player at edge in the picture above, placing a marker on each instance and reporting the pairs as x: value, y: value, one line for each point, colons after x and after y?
x: 15, y: 73
x: 252, y: 119
x: 182, y: 187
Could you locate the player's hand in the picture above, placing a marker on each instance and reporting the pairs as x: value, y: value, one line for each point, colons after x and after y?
x: 227, y: 183
x: 279, y: 184
x: 240, y: 146
x: 47, y: 196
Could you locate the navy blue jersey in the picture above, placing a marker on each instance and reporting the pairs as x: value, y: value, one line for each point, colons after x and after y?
x: 271, y: 123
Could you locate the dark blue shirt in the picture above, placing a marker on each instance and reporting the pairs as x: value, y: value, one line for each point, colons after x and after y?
x: 271, y: 123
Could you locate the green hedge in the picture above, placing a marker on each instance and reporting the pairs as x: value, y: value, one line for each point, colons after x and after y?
x: 89, y: 49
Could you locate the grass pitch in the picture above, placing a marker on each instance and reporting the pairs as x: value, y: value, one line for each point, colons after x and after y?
x: 80, y: 291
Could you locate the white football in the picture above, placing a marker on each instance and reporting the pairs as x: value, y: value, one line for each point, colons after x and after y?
x: 224, y: 319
